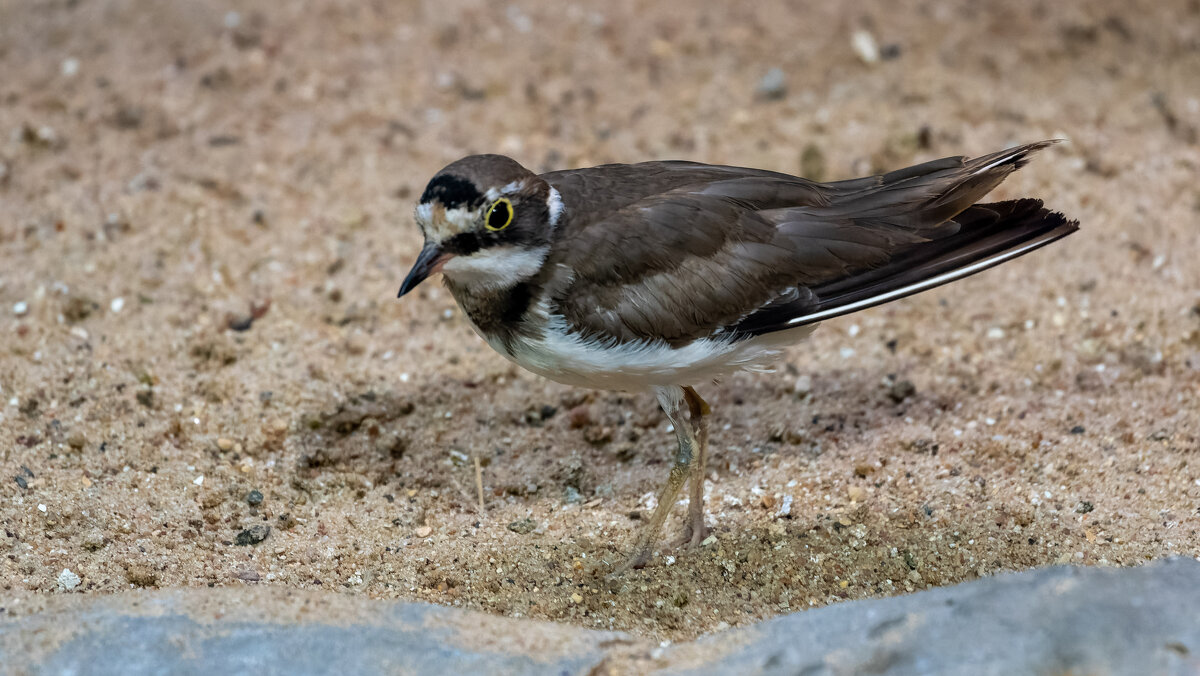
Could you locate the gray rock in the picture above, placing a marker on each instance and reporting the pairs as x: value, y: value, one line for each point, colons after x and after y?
x: 1056, y: 620
x: 266, y: 631
x: 1060, y: 620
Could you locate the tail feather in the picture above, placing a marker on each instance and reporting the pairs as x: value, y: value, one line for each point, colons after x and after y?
x: 988, y: 234
x: 910, y: 230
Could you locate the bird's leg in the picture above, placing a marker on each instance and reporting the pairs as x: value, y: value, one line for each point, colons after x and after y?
x: 694, y: 530
x: 670, y: 398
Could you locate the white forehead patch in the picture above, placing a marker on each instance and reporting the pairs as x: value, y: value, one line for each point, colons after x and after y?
x: 452, y: 221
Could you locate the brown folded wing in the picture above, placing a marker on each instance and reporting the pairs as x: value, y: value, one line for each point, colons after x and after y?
x: 680, y: 251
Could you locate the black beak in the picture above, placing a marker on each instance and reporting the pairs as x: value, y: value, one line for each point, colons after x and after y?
x: 429, y: 262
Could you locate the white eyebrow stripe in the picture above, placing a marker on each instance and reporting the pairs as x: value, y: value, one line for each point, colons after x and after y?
x: 513, y: 187
x: 494, y: 194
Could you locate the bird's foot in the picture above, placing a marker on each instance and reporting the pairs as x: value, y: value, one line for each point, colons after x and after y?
x: 638, y: 559
x: 694, y: 535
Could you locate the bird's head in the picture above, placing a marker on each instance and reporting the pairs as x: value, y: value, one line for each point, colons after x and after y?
x: 487, y: 223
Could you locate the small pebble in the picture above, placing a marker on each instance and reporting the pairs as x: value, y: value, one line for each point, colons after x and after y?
x: 76, y: 440
x: 20, y: 308
x: 785, y: 507
x: 580, y: 416
x: 199, y: 481
x: 901, y: 390
x: 254, y: 498
x: 94, y: 540
x: 225, y: 444
x: 68, y: 580
x: 773, y: 85
x: 423, y: 531
x: 117, y: 304
x: 70, y: 67
x: 141, y: 575
x: 253, y: 535
x: 856, y: 493
x: 522, y: 526
x: 576, y: 598
x: 864, y: 45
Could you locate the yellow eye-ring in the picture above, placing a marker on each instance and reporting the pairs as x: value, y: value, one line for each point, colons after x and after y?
x: 499, y: 215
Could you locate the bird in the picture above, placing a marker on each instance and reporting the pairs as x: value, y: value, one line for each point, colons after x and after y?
x: 663, y: 276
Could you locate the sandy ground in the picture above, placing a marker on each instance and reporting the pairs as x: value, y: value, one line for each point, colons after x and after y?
x: 174, y: 169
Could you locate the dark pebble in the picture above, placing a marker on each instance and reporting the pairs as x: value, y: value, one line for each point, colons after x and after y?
x: 21, y: 481
x: 1084, y: 507
x: 522, y: 526
x: 901, y: 390
x: 254, y: 497
x: 1078, y: 429
x: 253, y: 535
x: 240, y: 324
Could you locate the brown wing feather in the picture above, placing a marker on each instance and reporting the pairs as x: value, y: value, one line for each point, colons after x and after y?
x: 680, y: 251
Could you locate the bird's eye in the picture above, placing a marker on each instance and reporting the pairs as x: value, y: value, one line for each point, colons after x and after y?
x: 499, y: 215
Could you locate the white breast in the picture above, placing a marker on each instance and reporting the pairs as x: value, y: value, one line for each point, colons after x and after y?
x: 568, y: 358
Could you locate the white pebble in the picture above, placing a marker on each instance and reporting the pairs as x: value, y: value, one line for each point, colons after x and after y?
x: 20, y: 308
x: 68, y: 580
x: 853, y: 330
x: 117, y: 304
x: 995, y: 333
x: 803, y: 385
x: 785, y: 507
x: 847, y: 352
x: 864, y: 45
x: 199, y: 481
x: 42, y: 509
x: 70, y: 67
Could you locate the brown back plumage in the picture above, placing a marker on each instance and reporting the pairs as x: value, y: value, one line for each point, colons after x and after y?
x: 680, y: 251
